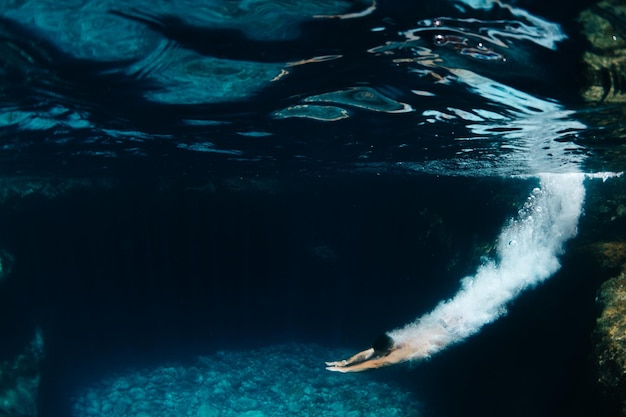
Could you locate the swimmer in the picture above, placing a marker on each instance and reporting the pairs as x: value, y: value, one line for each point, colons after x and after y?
x: 411, y: 343
x: 384, y: 352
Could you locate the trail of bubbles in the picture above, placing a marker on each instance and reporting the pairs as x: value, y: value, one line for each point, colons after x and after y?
x: 528, y: 251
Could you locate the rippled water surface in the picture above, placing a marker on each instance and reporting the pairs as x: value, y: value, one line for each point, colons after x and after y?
x: 467, y: 88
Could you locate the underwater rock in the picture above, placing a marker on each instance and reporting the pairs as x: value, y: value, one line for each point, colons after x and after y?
x: 610, y: 255
x: 19, y: 381
x: 610, y: 340
x: 605, y: 62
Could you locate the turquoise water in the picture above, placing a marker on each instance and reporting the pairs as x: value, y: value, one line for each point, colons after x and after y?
x: 277, y: 380
x: 203, y: 202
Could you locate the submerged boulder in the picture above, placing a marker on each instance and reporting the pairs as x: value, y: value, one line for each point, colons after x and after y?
x: 610, y: 340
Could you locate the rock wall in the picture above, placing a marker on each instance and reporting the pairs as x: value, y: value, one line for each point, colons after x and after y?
x: 609, y: 336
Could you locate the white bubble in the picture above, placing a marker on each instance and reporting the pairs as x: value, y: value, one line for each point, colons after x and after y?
x: 527, y: 255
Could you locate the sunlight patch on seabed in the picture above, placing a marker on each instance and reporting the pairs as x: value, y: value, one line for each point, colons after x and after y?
x: 279, y: 380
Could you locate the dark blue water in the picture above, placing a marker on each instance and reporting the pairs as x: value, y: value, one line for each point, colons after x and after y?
x: 186, y: 178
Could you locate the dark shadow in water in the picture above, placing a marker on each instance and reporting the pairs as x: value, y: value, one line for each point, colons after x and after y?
x: 145, y: 272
